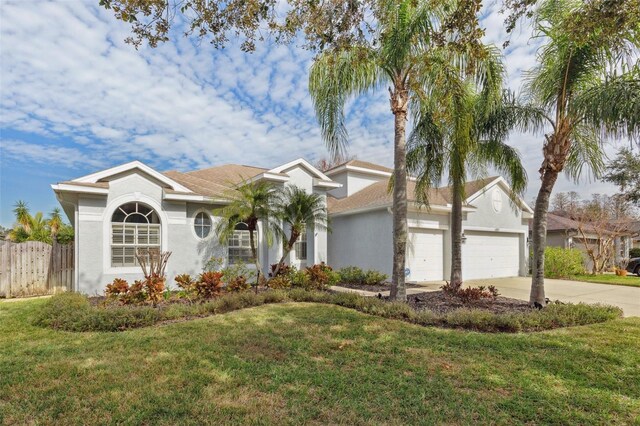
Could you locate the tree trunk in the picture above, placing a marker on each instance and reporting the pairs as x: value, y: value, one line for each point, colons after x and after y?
x: 456, y: 237
x: 286, y: 250
x: 399, y: 101
x: 254, y: 253
x: 539, y: 230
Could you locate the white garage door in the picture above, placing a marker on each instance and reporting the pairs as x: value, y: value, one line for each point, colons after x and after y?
x: 425, y: 255
x: 490, y: 255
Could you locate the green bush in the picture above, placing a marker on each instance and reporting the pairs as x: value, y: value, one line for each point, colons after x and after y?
x: 351, y: 275
x: 562, y: 263
x: 355, y: 275
x: 73, y: 312
x: 634, y: 252
x: 372, y: 277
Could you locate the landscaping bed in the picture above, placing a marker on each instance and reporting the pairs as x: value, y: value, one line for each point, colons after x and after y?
x: 75, y: 312
x: 442, y: 303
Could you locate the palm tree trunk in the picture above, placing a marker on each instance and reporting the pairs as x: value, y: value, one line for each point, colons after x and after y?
x: 399, y: 100
x: 456, y: 237
x: 539, y: 231
x: 254, y: 253
x: 286, y: 250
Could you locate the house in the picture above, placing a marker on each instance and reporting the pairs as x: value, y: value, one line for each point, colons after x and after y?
x: 566, y: 232
x: 495, y: 226
x: 132, y: 206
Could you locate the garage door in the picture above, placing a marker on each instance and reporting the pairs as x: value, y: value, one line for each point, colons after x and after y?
x: 490, y: 255
x: 425, y: 255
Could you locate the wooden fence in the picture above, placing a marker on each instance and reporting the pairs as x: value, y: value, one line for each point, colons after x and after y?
x: 35, y: 268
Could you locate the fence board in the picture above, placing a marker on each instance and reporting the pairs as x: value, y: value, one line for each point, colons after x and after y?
x: 35, y: 268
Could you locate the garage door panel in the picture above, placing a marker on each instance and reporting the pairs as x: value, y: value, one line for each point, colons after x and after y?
x: 425, y: 255
x: 490, y: 255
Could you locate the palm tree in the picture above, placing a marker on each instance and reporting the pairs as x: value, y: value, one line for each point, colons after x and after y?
x: 399, y: 59
x: 299, y: 210
x: 460, y: 130
x: 29, y: 227
x: 249, y: 203
x: 586, y: 87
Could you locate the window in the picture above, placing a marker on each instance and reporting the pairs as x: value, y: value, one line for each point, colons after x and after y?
x: 239, y: 245
x: 135, y: 228
x: 301, y: 245
x: 202, y: 225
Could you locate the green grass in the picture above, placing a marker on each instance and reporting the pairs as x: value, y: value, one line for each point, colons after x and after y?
x: 630, y: 280
x: 300, y: 363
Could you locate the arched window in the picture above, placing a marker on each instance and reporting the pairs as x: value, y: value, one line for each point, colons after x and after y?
x: 239, y: 245
x: 202, y: 225
x: 134, y: 226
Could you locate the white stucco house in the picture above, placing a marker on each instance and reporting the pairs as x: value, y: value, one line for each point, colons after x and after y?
x: 115, y: 211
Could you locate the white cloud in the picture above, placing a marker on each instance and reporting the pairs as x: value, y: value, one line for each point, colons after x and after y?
x: 67, y: 75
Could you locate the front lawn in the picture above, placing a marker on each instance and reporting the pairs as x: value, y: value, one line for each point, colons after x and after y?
x: 630, y: 280
x: 300, y: 363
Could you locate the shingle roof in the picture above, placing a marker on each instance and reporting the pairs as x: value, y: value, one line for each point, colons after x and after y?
x: 216, y: 181
x: 378, y: 195
x: 470, y: 188
x: 364, y: 165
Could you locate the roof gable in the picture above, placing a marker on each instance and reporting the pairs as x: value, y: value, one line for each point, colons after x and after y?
x: 103, y: 175
x: 304, y: 164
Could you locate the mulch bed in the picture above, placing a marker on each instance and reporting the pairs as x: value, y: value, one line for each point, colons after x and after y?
x: 440, y: 302
x: 381, y: 287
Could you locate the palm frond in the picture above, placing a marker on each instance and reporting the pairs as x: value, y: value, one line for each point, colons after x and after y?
x: 335, y: 76
x: 586, y: 154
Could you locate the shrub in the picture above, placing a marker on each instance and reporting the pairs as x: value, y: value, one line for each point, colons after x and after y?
x: 470, y: 294
x: 154, y: 287
x: 634, y: 252
x: 236, y: 270
x: 320, y: 276
x: 351, y: 275
x: 238, y: 284
x: 299, y: 279
x: 209, y: 285
x: 372, y: 277
x: 284, y: 269
x: 186, y: 283
x: 562, y: 263
x: 117, y: 288
x: 279, y: 282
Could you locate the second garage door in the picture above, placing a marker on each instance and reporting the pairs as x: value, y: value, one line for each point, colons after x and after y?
x: 425, y: 255
x: 490, y: 255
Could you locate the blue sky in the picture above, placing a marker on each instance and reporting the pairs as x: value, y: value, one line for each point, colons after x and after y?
x: 74, y: 98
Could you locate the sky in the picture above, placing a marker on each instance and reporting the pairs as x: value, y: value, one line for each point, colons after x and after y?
x: 74, y: 99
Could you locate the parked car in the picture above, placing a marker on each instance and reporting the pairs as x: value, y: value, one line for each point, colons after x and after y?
x: 634, y: 266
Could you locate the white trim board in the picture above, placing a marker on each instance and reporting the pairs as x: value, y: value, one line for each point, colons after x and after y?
x: 95, y: 177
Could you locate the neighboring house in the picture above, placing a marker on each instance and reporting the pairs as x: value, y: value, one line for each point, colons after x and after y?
x: 118, y: 210
x: 635, y: 234
x: 564, y: 232
x: 495, y: 226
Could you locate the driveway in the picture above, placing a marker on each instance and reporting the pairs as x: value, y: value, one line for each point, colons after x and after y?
x: 627, y: 298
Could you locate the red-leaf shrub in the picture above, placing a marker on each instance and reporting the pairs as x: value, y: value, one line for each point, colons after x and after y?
x: 209, y: 284
x: 470, y: 294
x: 238, y: 284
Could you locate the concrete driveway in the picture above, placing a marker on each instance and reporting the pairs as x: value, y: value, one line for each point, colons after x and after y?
x: 627, y: 298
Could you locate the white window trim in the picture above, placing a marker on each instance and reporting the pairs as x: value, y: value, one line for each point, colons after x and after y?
x: 106, y: 231
x: 192, y: 223
x: 250, y: 262
x: 296, y: 244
